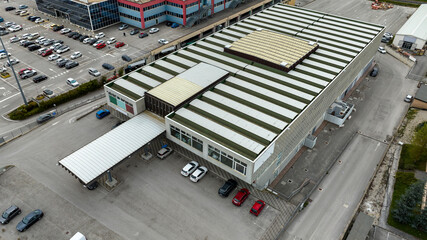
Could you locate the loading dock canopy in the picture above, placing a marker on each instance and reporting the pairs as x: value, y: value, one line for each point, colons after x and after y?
x: 95, y: 158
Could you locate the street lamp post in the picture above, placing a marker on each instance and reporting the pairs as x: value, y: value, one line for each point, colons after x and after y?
x: 14, y: 74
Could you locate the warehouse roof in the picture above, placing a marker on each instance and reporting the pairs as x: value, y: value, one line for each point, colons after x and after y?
x: 248, y: 110
x: 188, y: 83
x: 92, y: 160
x: 416, y: 24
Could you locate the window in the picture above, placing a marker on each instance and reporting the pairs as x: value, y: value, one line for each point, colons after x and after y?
x: 227, y: 160
x: 175, y: 132
x: 154, y: 6
x: 154, y: 16
x: 213, y: 152
x: 192, y: 4
x: 198, y: 144
x: 219, y: 4
x: 173, y: 14
x: 128, y: 6
x: 185, y: 137
x: 130, y: 17
x: 174, y: 4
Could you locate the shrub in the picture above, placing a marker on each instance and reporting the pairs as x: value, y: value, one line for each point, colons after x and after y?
x: 120, y: 72
x: 32, y: 108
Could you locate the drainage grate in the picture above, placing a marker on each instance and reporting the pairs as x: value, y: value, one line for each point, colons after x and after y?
x: 305, y: 170
x: 289, y: 181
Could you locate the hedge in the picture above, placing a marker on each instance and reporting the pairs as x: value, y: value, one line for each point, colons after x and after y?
x: 32, y: 108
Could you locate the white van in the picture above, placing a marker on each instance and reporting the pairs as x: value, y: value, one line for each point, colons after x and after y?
x: 78, y: 236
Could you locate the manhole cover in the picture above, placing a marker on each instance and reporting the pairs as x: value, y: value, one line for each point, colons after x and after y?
x: 305, y: 170
x: 289, y: 181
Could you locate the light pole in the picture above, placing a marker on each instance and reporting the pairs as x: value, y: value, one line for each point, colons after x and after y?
x: 14, y: 74
x: 56, y: 110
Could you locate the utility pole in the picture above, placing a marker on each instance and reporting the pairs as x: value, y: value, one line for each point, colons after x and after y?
x: 13, y: 70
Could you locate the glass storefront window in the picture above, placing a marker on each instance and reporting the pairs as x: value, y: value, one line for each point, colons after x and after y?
x: 198, y: 144
x: 227, y: 160
x: 175, y: 132
x: 185, y: 137
x: 213, y: 152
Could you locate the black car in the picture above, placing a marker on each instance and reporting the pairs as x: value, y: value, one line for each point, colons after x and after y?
x: 126, y: 58
x: 134, y: 31
x: 143, y: 35
x: 44, y: 118
x: 29, y: 220
x: 92, y: 186
x: 92, y: 41
x: 9, y: 214
x: 34, y: 19
x: 71, y: 64
x: 28, y: 43
x: 57, y: 28
x: 108, y: 66
x: 227, y: 188
x: 2, y: 28
x: 168, y: 23
x: 374, y: 72
x: 2, y: 33
x: 34, y: 47
x: 62, y: 63
x: 71, y: 34
x: 10, y: 8
x: 39, y: 78
x: 82, y: 37
x: 76, y: 36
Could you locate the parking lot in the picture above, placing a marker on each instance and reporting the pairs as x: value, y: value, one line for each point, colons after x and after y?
x: 152, y: 200
x: 61, y: 219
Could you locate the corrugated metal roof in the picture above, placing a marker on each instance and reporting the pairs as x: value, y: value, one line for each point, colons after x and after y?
x: 144, y: 79
x: 203, y: 74
x: 175, y: 91
x: 92, y: 160
x: 157, y: 72
x: 170, y: 66
x: 131, y: 87
x: 182, y: 60
x: 416, y: 25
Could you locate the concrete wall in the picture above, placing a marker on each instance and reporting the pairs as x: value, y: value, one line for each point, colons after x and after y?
x: 138, y: 106
x: 419, y: 104
x: 289, y: 141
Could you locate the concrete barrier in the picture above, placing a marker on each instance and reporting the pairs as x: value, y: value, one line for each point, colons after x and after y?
x: 399, y: 56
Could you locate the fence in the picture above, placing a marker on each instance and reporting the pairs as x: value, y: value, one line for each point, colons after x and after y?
x: 9, y: 136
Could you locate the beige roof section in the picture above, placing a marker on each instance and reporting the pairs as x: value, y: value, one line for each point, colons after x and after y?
x: 273, y: 47
x: 175, y: 91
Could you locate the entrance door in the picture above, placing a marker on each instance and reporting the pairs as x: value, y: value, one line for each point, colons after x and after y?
x: 407, y: 45
x: 157, y: 21
x: 62, y: 14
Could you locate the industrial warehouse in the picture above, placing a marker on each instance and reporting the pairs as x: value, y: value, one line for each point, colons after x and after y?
x: 246, y: 98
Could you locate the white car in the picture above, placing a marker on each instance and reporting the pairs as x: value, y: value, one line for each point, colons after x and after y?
x: 55, y: 45
x: 111, y: 41
x: 154, y: 30
x: 39, y: 20
x: 163, y: 41
x: 14, y: 39
x: 41, y: 50
x: 97, y: 42
x: 65, y: 30
x: 164, y: 152
x: 9, y: 24
x: 63, y: 49
x: 94, y: 72
x: 382, y: 50
x: 72, y: 82
x: 76, y: 55
x: 3, y: 55
x: 53, y: 57
x: 15, y: 28
x: 189, y: 168
x: 28, y: 74
x: 198, y: 174
x: 33, y: 36
x: 408, y: 98
x: 87, y: 40
x: 40, y: 39
x: 26, y: 35
x: 99, y: 35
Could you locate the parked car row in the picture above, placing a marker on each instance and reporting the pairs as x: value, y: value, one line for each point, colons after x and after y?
x: 13, y: 211
x: 195, y: 171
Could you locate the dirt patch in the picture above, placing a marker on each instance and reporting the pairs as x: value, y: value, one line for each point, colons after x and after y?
x: 410, y: 125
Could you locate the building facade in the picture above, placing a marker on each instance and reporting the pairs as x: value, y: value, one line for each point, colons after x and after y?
x: 413, y: 34
x: 95, y: 14
x: 89, y: 14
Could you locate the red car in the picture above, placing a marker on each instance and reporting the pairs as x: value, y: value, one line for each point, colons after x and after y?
x: 241, y: 196
x: 47, y: 53
x: 100, y: 45
x: 24, y: 69
x: 119, y: 44
x: 257, y: 207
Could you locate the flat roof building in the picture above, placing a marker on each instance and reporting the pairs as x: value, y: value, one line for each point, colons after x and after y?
x: 250, y: 113
x: 413, y: 34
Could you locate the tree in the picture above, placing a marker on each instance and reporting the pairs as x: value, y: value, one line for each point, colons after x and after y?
x: 420, y: 221
x: 409, y: 204
x: 419, y: 142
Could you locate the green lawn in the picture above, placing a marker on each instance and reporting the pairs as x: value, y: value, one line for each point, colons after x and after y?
x: 407, y: 163
x: 403, y: 181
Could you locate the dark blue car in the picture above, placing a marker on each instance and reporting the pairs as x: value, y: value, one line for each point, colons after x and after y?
x: 174, y: 25
x: 102, y: 113
x: 29, y: 220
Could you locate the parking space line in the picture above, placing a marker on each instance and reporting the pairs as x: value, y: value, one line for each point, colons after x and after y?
x: 4, y: 80
x: 9, y: 97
